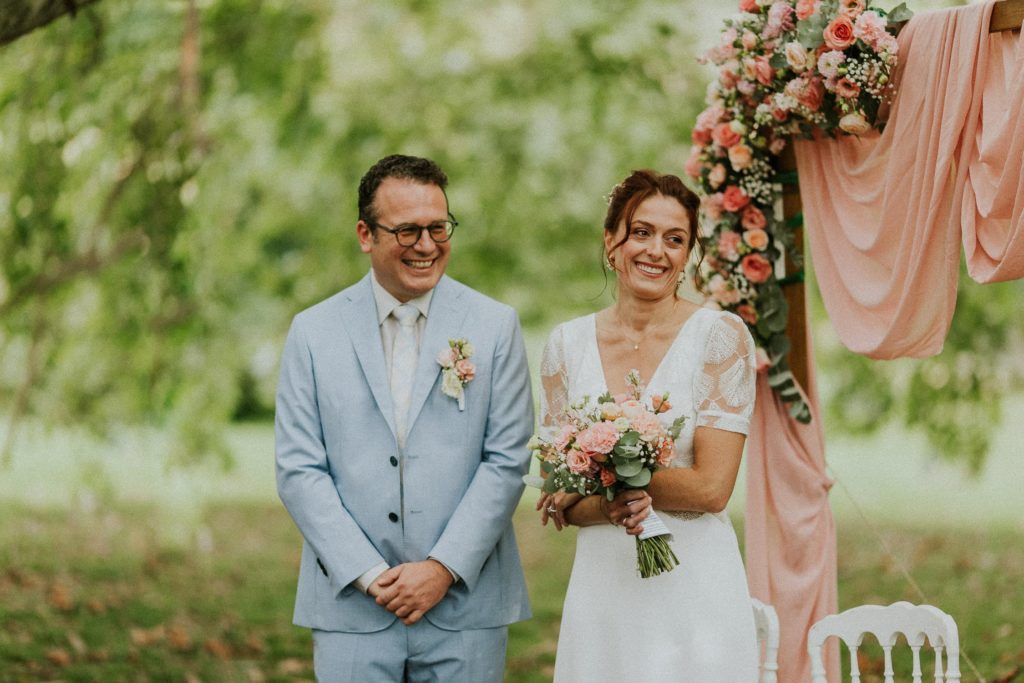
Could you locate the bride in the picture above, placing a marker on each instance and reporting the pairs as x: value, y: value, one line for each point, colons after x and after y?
x: 695, y: 622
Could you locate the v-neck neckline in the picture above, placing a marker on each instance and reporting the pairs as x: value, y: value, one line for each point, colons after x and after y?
x: 657, y: 370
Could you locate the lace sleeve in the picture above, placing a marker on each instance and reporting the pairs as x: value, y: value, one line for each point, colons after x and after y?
x: 724, y: 391
x: 554, y: 394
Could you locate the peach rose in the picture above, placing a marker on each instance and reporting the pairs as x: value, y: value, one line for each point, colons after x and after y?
x: 666, y: 451
x: 648, y: 426
x: 756, y: 268
x: 805, y: 8
x: 851, y: 8
x: 631, y: 408
x: 807, y: 91
x: 763, y: 70
x: 847, y: 88
x: 728, y: 78
x: 700, y: 137
x: 854, y: 123
x: 749, y: 40
x: 607, y: 477
x: 748, y: 313
x: 610, y: 411
x: 753, y: 218
x: 756, y: 239
x: 734, y: 199
x: 725, y: 136
x: 717, y: 176
x: 839, y: 34
x: 740, y: 156
x: 749, y: 6
x: 777, y: 145
x: 577, y: 462
x: 694, y: 166
x: 711, y: 205
x: 661, y: 405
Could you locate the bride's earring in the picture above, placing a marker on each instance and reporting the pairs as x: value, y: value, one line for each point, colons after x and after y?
x: 608, y: 263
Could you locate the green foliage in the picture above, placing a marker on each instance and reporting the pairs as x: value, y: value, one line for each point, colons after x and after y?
x: 166, y: 209
x: 954, y: 398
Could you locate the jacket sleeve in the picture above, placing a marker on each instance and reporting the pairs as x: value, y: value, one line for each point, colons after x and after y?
x: 485, y: 510
x: 304, y: 480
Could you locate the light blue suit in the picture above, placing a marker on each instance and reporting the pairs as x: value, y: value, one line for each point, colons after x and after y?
x: 343, y: 477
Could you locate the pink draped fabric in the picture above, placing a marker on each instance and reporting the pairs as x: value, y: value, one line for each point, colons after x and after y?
x: 790, y: 537
x: 886, y: 213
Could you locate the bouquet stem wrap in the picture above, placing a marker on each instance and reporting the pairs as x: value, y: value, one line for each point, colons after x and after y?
x: 654, y: 555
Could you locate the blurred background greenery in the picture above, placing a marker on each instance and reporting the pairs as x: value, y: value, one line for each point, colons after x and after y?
x: 179, y: 180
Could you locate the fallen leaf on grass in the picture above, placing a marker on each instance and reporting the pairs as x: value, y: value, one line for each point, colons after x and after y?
x: 59, y: 657
x: 218, y: 648
x: 59, y: 597
x: 144, y: 637
x: 291, y: 666
x: 254, y: 645
x: 178, y: 638
x: 1008, y: 676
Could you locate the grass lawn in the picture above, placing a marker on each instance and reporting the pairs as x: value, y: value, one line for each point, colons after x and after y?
x: 99, y: 597
x: 113, y: 568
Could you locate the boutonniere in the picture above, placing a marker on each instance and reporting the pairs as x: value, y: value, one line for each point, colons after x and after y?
x: 458, y: 370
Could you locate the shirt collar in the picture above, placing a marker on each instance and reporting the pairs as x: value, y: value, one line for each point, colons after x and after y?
x: 387, y: 303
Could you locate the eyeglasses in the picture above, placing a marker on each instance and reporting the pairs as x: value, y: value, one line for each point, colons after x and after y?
x: 410, y: 233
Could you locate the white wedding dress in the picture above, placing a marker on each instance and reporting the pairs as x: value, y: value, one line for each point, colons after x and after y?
x: 692, y: 624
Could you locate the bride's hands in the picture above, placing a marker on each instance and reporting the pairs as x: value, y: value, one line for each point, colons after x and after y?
x: 552, y: 507
x: 628, y: 509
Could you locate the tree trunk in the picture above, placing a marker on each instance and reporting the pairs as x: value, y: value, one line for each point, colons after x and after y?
x: 18, y: 17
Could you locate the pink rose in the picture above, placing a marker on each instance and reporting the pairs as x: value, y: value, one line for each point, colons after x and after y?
x: 648, y: 426
x: 631, y: 408
x: 598, y: 438
x: 870, y: 27
x: 756, y: 239
x: 749, y: 40
x: 720, y: 291
x: 749, y: 6
x: 717, y: 176
x: 851, y: 8
x: 694, y: 165
x: 607, y: 477
x: 839, y: 34
x: 728, y: 245
x: 725, y: 136
x: 711, y: 205
x: 805, y: 8
x: 753, y: 218
x: 756, y: 268
x: 763, y: 362
x: 566, y: 435
x: 780, y: 20
x: 854, y: 123
x: 740, y: 156
x: 446, y: 358
x: 808, y: 91
x: 466, y: 370
x: 748, y: 313
x: 847, y: 88
x: 577, y: 462
x: 777, y: 145
x: 700, y: 137
x: 734, y: 199
x: 728, y: 78
x: 666, y: 451
x: 765, y: 72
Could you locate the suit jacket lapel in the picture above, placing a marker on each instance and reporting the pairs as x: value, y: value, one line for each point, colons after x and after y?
x: 360, y: 314
x: 443, y: 322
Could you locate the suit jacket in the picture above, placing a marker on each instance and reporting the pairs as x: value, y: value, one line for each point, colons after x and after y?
x: 341, y: 474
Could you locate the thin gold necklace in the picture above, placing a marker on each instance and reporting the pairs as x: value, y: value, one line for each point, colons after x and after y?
x: 643, y: 336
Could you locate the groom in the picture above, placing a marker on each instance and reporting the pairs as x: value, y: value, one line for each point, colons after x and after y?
x: 402, y: 474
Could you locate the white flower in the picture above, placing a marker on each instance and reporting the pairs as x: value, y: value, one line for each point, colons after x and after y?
x: 451, y: 385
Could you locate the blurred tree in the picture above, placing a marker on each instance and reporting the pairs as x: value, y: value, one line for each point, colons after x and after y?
x: 181, y: 178
x: 18, y: 17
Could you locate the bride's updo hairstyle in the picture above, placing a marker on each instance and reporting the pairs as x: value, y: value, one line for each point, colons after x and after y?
x: 631, y: 192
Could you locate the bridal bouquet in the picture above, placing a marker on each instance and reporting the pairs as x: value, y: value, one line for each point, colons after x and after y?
x: 613, y: 444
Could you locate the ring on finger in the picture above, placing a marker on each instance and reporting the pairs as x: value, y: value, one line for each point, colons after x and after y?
x: 552, y: 508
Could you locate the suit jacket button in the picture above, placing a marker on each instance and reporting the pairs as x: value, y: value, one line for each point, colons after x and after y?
x: 394, y: 461
x: 392, y: 516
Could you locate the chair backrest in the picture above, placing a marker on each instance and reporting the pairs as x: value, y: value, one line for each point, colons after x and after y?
x: 915, y: 622
x: 767, y: 623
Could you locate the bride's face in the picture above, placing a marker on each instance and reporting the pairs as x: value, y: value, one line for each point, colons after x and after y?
x: 654, y: 255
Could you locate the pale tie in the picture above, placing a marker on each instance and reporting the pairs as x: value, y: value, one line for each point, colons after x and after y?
x: 403, y: 365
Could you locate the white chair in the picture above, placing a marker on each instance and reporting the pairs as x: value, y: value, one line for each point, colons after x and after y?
x: 767, y: 623
x: 915, y: 622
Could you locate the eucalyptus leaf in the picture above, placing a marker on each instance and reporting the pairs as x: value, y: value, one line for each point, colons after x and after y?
x: 640, y: 479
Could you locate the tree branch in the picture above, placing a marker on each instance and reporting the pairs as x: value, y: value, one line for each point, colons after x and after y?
x: 18, y: 17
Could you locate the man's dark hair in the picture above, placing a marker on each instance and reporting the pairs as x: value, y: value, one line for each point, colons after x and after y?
x: 396, y: 166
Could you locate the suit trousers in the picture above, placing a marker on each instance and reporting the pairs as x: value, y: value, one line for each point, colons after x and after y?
x: 421, y: 653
